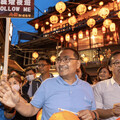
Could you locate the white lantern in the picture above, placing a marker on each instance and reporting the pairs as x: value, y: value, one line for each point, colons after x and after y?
x: 67, y: 37
x: 107, y: 23
x: 91, y: 22
x: 94, y: 31
x: 112, y: 27
x: 81, y: 9
x: 72, y: 20
x: 60, y: 7
x: 54, y: 19
x: 104, y: 12
x: 80, y: 34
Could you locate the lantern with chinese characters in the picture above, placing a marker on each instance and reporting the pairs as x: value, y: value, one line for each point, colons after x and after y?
x: 67, y: 37
x: 36, y: 26
x: 60, y: 7
x: 87, y: 33
x: 112, y: 27
x: 107, y: 23
x: 81, y: 9
x: 104, y: 12
x: 42, y: 29
x: 103, y: 29
x: 91, y: 22
x: 61, y: 39
x: 54, y: 19
x: 74, y: 36
x: 94, y: 31
x: 118, y: 14
x: 35, y: 55
x: 80, y: 34
x: 72, y: 20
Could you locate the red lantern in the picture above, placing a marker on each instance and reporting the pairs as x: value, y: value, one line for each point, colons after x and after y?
x: 67, y: 37
x: 54, y: 19
x: 80, y: 34
x: 61, y: 38
x: 74, y: 36
x: 75, y: 44
x: 103, y: 29
x: 35, y: 55
x: 87, y: 33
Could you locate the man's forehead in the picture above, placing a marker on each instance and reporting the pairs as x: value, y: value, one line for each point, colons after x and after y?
x: 66, y: 53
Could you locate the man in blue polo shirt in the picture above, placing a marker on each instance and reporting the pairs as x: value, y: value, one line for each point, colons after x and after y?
x: 66, y: 91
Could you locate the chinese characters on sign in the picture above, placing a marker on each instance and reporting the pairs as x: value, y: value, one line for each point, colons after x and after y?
x: 17, y: 8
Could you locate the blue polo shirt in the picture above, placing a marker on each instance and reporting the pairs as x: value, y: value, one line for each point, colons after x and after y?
x: 55, y: 93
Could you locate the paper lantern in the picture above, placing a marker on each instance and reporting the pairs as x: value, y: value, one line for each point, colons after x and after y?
x: 53, y: 58
x: 36, y: 26
x: 80, y: 34
x: 112, y: 27
x: 91, y: 22
x: 67, y: 37
x: 70, y: 44
x: 87, y: 33
x: 64, y: 115
x: 75, y: 44
x: 103, y: 29
x: 107, y: 23
x: 85, y: 59
x: 94, y: 31
x: 74, y: 36
x: 54, y: 19
x: 61, y: 39
x: 42, y: 29
x: 39, y: 115
x: 72, y: 20
x: 35, y: 55
x: 101, y: 57
x: 60, y: 7
x: 104, y: 12
x: 118, y: 14
x: 81, y: 9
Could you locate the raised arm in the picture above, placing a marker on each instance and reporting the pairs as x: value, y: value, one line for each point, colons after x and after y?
x: 12, y: 98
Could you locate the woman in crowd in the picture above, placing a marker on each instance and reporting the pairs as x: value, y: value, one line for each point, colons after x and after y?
x: 82, y: 74
x: 16, y: 84
x: 103, y: 73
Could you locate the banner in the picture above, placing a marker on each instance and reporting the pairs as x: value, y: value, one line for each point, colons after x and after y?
x: 17, y: 8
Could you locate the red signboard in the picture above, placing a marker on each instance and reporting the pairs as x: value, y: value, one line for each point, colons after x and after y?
x: 17, y: 8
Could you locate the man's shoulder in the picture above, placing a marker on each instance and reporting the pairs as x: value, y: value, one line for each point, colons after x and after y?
x: 37, y: 80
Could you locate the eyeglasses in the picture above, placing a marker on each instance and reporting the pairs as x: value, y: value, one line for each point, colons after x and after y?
x: 117, y: 63
x: 64, y: 59
x: 42, y: 65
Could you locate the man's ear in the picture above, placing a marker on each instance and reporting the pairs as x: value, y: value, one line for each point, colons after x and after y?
x: 110, y: 67
x: 78, y: 64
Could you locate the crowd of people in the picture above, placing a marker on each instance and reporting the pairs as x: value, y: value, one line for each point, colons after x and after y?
x: 72, y: 90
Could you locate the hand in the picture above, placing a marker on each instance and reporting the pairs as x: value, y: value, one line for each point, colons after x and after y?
x: 8, y: 96
x: 116, y: 109
x: 86, y: 115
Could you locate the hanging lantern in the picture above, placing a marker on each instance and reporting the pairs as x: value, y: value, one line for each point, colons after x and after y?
x: 70, y: 45
x: 35, y: 55
x: 101, y: 3
x: 87, y: 33
x: 101, y: 58
x: 54, y: 19
x: 36, y: 26
x: 80, y: 34
x: 108, y: 37
x: 118, y: 14
x: 85, y: 59
x: 112, y: 27
x: 60, y: 7
x: 75, y: 44
x: 104, y: 12
x: 107, y: 23
x: 91, y: 22
x: 42, y: 29
x: 47, y: 23
x: 67, y: 37
x: 103, y: 29
x: 61, y: 39
x: 72, y: 20
x: 74, y: 36
x: 53, y: 58
x: 81, y: 9
x: 89, y: 7
x: 94, y: 31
